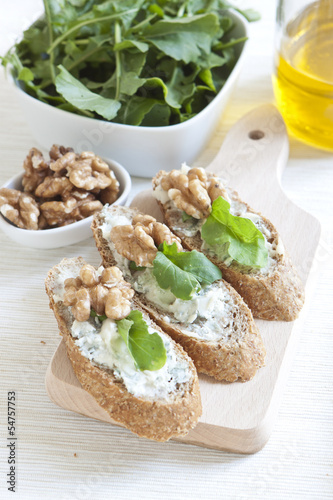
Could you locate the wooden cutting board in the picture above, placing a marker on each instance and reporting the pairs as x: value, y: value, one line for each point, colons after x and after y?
x: 236, y: 417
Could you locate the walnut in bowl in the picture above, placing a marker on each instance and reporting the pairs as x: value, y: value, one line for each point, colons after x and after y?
x: 51, y: 203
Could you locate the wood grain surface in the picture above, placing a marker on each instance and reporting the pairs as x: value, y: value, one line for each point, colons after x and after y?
x: 236, y: 417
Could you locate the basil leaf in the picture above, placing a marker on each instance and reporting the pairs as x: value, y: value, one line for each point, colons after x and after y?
x: 183, y: 272
x: 82, y: 98
x: 147, y: 349
x: 237, y: 236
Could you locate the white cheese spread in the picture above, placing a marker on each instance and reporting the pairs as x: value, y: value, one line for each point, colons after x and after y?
x: 106, y: 347
x: 102, y: 345
x: 207, y: 316
x: 192, y: 226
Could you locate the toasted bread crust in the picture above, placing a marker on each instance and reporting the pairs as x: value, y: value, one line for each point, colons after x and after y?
x: 238, y: 358
x: 278, y: 296
x: 159, y: 420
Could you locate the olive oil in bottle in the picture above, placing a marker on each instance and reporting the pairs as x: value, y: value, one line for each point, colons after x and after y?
x: 303, y: 80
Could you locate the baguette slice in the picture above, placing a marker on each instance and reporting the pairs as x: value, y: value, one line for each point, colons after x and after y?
x: 227, y: 346
x: 274, y: 293
x: 158, y: 417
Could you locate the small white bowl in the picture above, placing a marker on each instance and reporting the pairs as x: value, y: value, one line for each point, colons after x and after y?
x: 142, y: 150
x: 66, y: 235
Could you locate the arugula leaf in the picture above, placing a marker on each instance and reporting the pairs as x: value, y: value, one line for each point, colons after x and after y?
x: 132, y: 44
x: 185, y: 216
x: 93, y: 314
x: 134, y: 111
x: 26, y: 75
x: 206, y: 76
x: 147, y: 349
x: 82, y: 98
x: 250, y: 15
x: 183, y: 272
x: 174, y: 92
x: 237, y: 236
x: 134, y: 267
x: 193, y: 262
x: 184, y: 39
x: 158, y: 116
x: 182, y: 284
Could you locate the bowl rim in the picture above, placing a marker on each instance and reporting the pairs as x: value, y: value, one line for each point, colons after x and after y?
x: 125, y: 180
x: 240, y: 20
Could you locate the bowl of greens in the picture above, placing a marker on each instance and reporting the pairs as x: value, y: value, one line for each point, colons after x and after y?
x: 141, y: 81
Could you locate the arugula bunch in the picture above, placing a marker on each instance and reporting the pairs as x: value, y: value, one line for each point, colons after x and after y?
x: 137, y: 62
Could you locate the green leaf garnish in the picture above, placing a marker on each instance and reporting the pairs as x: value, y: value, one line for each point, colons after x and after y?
x: 237, y: 236
x: 183, y: 272
x: 147, y: 349
x: 185, y: 216
x: 93, y: 314
x: 134, y: 267
x: 182, y: 284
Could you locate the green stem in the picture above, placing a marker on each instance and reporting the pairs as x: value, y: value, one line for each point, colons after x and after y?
x: 18, y: 61
x: 117, y: 39
x: 86, y: 22
x: 143, y: 24
x: 182, y: 8
x: 227, y: 45
x: 85, y: 56
x: 49, y: 26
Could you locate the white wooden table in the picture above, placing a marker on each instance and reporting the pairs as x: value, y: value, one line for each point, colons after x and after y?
x: 63, y: 455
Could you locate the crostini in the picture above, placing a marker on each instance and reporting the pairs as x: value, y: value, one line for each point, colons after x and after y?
x: 183, y: 292
x: 134, y: 370
x: 210, y: 217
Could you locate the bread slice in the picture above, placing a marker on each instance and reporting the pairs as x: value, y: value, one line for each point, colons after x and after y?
x: 223, y: 340
x: 163, y: 407
x: 273, y: 293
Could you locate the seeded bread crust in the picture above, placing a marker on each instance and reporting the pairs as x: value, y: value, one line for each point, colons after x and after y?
x: 237, y: 358
x: 278, y: 296
x: 159, y: 420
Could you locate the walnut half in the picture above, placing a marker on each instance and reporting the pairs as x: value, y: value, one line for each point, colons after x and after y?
x: 20, y: 208
x: 106, y: 293
x: 193, y: 192
x: 139, y: 241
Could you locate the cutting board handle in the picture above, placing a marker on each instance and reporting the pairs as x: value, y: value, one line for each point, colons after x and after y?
x: 259, y: 141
